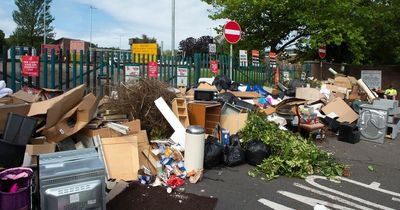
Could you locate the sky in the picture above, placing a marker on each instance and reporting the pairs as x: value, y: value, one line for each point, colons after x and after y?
x: 115, y: 21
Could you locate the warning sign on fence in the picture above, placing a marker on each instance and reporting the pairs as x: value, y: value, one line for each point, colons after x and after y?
x: 153, y: 69
x: 214, y: 67
x: 182, y: 76
x: 30, y: 66
x: 132, y: 72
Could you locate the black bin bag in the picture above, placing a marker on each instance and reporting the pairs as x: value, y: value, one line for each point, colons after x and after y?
x: 213, y: 152
x: 233, y: 153
x: 256, y: 152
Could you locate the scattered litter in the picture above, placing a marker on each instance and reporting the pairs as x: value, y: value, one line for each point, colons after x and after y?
x: 371, y: 168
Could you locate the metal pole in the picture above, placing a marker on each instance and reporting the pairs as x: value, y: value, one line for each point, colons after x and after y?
x: 44, y: 22
x: 173, y: 29
x: 90, y: 42
x: 230, y: 64
x: 162, y: 49
x: 91, y: 28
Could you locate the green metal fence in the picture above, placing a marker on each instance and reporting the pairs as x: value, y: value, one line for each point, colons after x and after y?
x: 98, y: 69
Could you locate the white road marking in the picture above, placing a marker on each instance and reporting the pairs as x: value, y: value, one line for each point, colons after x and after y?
x: 232, y: 32
x: 396, y: 199
x: 273, y: 205
x: 310, y: 180
x: 333, y: 197
x: 375, y: 185
x: 312, y: 201
x: 371, y: 186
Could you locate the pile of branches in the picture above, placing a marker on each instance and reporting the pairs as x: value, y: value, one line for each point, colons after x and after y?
x: 136, y: 99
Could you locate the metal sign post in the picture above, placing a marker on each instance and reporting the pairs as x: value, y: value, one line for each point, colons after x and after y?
x: 230, y: 64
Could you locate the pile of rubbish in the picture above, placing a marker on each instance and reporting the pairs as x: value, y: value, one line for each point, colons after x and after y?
x: 157, y: 135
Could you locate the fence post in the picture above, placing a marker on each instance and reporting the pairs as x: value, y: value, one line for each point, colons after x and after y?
x: 88, y: 69
x: 21, y: 78
x: 95, y: 72
x: 45, y: 60
x: 112, y: 67
x: 81, y: 66
x: 60, y: 66
x: 67, y: 70
x: 4, y: 64
x: 53, y: 69
x: 119, y: 67
x: 74, y: 68
x: 101, y: 63
x: 13, y: 74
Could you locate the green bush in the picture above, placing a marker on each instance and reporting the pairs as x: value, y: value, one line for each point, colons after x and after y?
x: 292, y: 155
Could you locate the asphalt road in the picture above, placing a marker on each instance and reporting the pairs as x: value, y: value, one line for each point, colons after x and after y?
x: 363, y: 189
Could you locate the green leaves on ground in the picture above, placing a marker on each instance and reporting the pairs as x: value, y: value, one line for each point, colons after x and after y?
x: 292, y: 155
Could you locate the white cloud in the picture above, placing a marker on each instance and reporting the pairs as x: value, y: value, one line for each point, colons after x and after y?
x: 7, y: 24
x: 123, y: 18
x: 153, y: 18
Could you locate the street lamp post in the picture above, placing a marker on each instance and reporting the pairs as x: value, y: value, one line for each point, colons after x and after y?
x: 173, y: 29
x: 44, y: 21
x: 91, y: 28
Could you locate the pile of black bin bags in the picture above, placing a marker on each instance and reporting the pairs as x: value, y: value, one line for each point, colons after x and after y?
x: 232, y: 154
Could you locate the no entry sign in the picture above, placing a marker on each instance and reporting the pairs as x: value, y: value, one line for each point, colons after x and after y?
x: 30, y: 66
x: 322, y: 51
x: 232, y: 32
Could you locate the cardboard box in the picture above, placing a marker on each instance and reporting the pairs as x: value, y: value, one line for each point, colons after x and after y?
x: 14, y: 105
x: 206, y: 86
x: 309, y: 94
x: 336, y: 89
x: 121, y: 156
x: 134, y: 127
x: 56, y: 107
x: 73, y: 120
x: 32, y: 95
x: 341, y: 109
x: 342, y: 81
x: 39, y: 147
x: 234, y: 122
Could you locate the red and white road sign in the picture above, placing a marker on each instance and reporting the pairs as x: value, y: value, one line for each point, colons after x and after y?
x: 232, y: 32
x: 322, y: 51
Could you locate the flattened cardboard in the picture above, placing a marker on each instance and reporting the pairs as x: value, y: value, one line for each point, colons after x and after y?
x: 82, y: 114
x: 121, y: 155
x: 340, y: 108
x: 37, y: 148
x: 134, y: 127
x: 56, y: 107
x: 234, y: 122
x: 309, y: 94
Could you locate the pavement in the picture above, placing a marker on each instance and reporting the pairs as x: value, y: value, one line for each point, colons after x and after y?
x: 363, y: 189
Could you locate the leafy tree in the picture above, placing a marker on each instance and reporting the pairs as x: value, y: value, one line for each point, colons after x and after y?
x: 29, y: 18
x: 265, y: 23
x: 190, y: 46
x: 353, y: 30
x: 187, y: 47
x: 143, y: 39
